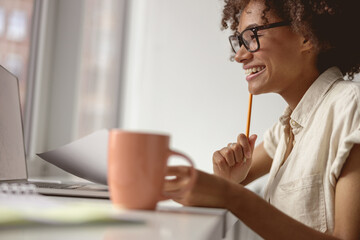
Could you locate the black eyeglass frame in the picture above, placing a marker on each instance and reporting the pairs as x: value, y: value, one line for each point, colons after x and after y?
x: 254, y: 30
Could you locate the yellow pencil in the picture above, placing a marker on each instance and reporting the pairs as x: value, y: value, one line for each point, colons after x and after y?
x: 249, y: 116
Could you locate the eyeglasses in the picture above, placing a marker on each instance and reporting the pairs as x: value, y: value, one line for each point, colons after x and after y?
x: 249, y: 37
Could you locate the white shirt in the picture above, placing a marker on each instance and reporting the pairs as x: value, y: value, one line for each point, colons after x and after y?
x: 325, y: 125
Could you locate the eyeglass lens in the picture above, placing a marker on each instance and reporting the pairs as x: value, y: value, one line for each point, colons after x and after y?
x: 248, y: 38
x: 235, y: 43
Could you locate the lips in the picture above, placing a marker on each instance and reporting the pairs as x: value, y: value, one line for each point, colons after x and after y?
x: 254, y: 72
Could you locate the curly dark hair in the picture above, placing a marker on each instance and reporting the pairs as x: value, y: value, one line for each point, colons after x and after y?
x: 332, y: 25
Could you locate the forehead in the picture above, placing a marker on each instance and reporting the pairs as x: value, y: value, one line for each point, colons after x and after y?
x: 252, y: 14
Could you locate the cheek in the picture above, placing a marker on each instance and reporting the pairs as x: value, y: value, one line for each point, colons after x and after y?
x: 284, y: 57
x: 282, y: 48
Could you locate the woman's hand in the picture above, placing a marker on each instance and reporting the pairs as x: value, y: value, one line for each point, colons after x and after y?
x: 234, y: 161
x: 208, y: 190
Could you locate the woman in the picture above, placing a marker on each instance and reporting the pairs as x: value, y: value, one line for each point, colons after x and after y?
x: 300, y: 50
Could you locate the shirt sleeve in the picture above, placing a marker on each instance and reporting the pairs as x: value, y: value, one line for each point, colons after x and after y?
x: 343, y: 154
x: 272, y: 138
x: 349, y: 136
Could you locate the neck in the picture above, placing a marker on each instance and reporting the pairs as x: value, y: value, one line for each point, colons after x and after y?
x: 295, y: 91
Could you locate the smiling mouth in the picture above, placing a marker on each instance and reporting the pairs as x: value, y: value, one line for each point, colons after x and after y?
x: 254, y: 70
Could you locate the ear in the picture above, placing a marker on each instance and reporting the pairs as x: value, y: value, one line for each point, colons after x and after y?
x: 306, y: 44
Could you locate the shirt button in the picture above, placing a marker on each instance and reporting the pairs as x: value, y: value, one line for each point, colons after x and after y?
x: 292, y: 123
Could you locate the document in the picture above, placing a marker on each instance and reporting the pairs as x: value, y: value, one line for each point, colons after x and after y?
x: 85, y: 157
x: 20, y: 204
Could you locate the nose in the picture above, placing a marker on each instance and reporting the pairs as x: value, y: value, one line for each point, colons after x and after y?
x: 242, y: 55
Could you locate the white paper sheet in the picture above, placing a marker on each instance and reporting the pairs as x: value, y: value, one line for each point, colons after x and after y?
x: 85, y: 158
x: 20, y: 205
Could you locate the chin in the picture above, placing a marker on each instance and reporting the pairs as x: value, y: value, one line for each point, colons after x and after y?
x: 256, y: 91
x: 259, y: 86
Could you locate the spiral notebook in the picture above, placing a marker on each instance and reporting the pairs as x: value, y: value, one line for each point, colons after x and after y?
x: 13, y: 166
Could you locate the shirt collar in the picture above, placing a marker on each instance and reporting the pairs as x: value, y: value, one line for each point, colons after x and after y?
x: 312, y: 97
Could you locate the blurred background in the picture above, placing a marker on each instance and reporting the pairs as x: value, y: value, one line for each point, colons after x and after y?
x: 159, y: 65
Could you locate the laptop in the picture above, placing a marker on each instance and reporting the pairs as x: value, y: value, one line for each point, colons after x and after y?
x: 13, y: 165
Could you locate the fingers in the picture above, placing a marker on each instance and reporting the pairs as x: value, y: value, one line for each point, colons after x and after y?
x: 228, y: 156
x: 179, y: 171
x: 219, y: 161
x: 234, y: 153
x: 238, y: 152
x: 246, y: 144
x: 179, y: 177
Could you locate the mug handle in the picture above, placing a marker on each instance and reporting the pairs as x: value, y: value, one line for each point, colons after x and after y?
x: 193, y: 175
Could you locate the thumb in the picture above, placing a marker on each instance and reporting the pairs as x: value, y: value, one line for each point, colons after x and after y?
x: 252, y: 140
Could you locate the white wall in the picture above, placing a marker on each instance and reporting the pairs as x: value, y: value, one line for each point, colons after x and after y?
x: 179, y: 79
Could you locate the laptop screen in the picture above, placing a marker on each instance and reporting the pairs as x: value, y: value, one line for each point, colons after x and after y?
x: 12, y: 151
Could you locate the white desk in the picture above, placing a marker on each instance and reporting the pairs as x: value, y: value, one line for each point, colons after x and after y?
x: 169, y: 221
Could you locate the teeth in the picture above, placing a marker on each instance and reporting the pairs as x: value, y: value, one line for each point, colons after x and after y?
x: 253, y: 70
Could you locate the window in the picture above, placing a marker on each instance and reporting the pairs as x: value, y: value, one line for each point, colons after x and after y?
x: 77, y: 70
x: 98, y: 95
x: 15, y: 26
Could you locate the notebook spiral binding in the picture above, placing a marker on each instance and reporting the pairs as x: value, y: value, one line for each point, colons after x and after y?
x: 17, y: 189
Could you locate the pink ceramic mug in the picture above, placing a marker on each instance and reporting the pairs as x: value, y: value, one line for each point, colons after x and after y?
x: 137, y: 164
